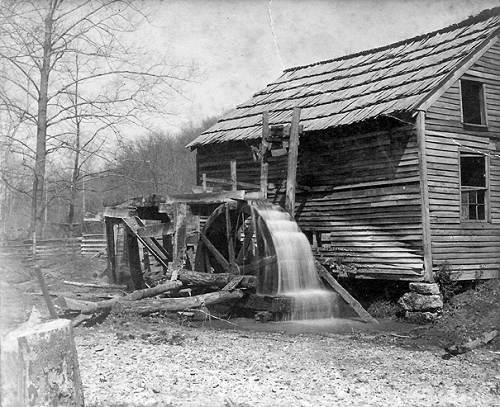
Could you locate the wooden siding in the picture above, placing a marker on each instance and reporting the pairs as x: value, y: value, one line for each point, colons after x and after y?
x: 364, y: 201
x: 471, y: 248
x: 359, y: 194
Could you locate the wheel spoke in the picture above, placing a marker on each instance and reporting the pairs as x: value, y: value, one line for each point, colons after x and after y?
x: 246, y: 244
x: 216, y: 253
x: 229, y: 237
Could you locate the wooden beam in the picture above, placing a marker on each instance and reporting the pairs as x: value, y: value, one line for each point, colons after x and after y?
x: 230, y: 240
x: 264, y: 166
x: 204, y: 181
x: 230, y: 182
x: 180, y: 234
x: 216, y: 253
x: 424, y: 195
x: 356, y: 306
x: 234, y: 181
x: 202, y: 198
x: 110, y: 244
x: 293, y: 153
x: 134, y: 261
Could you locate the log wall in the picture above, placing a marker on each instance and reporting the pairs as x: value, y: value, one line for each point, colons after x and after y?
x: 471, y: 248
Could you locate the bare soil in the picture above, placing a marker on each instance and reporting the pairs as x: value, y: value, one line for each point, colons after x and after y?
x: 161, y: 361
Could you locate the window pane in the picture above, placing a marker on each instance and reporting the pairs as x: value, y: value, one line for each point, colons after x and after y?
x: 472, y: 212
x: 481, y: 212
x: 473, y: 171
x: 480, y: 197
x: 472, y: 102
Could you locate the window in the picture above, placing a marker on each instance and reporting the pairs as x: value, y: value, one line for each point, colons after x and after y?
x: 473, y: 186
x: 473, y: 111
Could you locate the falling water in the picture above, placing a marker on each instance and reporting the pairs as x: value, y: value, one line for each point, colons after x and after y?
x: 297, y: 276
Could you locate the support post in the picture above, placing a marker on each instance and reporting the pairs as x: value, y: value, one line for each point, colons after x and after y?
x: 293, y: 153
x: 179, y: 234
x: 204, y: 181
x: 424, y: 194
x: 234, y: 179
x: 264, y: 166
x: 134, y: 261
x: 110, y: 243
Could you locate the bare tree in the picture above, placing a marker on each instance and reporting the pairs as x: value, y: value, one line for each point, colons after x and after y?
x: 67, y: 66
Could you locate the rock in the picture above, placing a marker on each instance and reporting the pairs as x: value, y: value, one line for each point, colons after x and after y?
x: 263, y: 316
x: 419, y: 302
x: 425, y: 288
x: 417, y: 317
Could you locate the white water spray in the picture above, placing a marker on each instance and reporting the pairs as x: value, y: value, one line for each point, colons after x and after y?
x: 297, y: 276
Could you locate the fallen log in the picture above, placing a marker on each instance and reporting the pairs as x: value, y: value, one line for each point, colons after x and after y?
x: 89, y: 307
x: 149, y: 306
x: 218, y: 280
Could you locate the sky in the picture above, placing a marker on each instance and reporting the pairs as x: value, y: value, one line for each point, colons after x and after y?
x: 240, y: 46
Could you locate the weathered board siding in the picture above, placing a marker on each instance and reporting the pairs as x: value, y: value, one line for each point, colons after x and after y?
x: 471, y: 248
x: 358, y: 194
x: 364, y: 200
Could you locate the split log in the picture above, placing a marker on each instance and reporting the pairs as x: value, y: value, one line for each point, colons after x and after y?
x: 39, y: 366
x: 218, y: 280
x: 89, y: 307
x: 149, y: 306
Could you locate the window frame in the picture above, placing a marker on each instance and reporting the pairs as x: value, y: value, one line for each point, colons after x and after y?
x: 486, y: 188
x: 483, y: 106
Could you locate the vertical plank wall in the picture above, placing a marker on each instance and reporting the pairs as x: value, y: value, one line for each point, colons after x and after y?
x: 363, y: 202
x: 471, y: 248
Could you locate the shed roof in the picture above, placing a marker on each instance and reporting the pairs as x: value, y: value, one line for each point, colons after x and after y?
x: 383, y: 81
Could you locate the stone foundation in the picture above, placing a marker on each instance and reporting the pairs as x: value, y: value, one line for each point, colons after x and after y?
x: 423, y: 304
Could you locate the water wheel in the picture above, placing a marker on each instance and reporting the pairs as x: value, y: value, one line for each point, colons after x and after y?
x: 236, y: 239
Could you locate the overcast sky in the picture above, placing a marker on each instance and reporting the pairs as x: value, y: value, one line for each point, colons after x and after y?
x: 240, y: 46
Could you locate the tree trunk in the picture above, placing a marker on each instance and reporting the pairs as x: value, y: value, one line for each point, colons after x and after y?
x: 76, y: 163
x: 39, y: 367
x: 41, y: 131
x: 218, y: 280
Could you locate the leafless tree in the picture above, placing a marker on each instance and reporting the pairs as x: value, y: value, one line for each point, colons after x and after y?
x: 70, y: 79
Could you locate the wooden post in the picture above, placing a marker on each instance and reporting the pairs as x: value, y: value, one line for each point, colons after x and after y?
x: 179, y: 234
x: 134, y: 261
x: 110, y: 244
x: 264, y: 166
x: 293, y: 153
x: 45, y: 292
x: 204, y: 181
x: 234, y: 179
x: 424, y: 194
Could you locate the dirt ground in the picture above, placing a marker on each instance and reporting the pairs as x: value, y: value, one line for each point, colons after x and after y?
x: 160, y: 361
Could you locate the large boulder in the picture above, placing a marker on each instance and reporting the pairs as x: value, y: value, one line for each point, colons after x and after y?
x: 425, y: 288
x: 413, y: 301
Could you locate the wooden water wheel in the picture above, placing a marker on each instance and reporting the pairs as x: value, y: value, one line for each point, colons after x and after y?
x: 236, y: 239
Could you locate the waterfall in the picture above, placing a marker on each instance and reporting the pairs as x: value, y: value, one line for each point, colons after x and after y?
x: 297, y: 277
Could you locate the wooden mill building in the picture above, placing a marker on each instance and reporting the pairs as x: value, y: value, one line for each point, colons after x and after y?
x: 398, y: 171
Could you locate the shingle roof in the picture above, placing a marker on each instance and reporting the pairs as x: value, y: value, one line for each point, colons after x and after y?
x: 353, y: 88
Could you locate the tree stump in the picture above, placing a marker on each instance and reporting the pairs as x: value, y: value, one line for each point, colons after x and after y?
x: 39, y: 366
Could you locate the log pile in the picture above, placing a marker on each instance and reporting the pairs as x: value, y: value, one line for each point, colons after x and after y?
x: 165, y: 297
